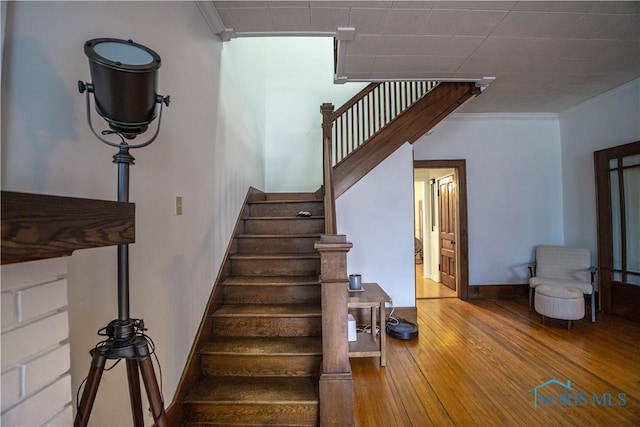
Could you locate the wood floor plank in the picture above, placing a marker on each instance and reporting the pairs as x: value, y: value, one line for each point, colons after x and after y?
x: 480, y: 362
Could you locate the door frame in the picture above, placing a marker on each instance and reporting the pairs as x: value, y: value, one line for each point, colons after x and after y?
x: 459, y: 167
x: 607, y: 289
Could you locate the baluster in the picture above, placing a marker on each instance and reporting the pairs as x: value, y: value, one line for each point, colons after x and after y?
x: 398, y: 96
x: 337, y: 143
x: 384, y: 103
x: 379, y: 109
x: 341, y: 138
x: 360, y: 122
x: 352, y: 125
x: 370, y: 115
x: 406, y: 95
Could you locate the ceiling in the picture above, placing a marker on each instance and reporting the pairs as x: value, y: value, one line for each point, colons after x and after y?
x: 546, y: 56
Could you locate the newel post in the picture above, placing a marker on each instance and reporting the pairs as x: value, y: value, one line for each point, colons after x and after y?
x: 336, y: 382
x: 329, y: 198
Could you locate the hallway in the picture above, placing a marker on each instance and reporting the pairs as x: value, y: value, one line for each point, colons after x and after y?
x: 427, y: 288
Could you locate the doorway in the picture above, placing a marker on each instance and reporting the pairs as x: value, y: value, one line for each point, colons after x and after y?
x: 441, y: 242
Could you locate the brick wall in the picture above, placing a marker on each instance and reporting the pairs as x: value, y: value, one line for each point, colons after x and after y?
x: 36, y: 381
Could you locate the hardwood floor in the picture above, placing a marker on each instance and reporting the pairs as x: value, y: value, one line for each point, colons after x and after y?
x: 427, y: 288
x: 478, y: 363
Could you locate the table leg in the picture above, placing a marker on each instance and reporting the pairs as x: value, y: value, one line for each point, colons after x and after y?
x: 383, y: 336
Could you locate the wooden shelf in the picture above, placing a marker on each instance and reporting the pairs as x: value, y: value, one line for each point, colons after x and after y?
x: 367, y: 344
x: 364, y: 346
x: 37, y: 226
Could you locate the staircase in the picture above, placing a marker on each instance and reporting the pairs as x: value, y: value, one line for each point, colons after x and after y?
x: 259, y: 362
x: 259, y: 351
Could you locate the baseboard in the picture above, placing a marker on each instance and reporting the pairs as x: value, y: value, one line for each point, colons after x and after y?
x: 506, y: 291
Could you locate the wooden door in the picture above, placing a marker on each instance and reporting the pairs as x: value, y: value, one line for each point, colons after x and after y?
x: 447, y: 203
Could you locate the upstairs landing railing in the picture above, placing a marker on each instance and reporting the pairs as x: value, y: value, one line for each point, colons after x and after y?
x: 369, y: 111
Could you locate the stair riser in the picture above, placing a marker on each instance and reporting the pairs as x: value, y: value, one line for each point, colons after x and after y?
x: 261, y: 366
x: 266, y: 326
x: 284, y: 226
x: 291, y: 245
x: 258, y: 414
x: 281, y: 197
x: 262, y: 294
x: 275, y: 267
x: 289, y: 209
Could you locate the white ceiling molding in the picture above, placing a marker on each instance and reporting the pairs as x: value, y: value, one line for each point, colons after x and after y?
x: 283, y: 34
x: 485, y: 82
x: 214, y: 21
x: 344, y: 35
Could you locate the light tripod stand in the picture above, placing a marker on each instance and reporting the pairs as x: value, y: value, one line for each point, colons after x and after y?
x: 124, y: 87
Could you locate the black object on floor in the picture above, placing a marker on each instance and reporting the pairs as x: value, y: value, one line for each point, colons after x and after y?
x: 402, y: 329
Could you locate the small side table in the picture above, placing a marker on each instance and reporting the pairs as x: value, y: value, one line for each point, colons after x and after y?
x: 369, y: 345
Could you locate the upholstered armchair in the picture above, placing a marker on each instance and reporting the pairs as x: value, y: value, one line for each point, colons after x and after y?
x: 566, y: 267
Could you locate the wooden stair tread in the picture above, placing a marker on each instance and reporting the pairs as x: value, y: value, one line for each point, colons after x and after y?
x: 285, y: 201
x: 268, y: 310
x: 264, y: 346
x: 306, y: 255
x: 290, y: 196
x: 280, y: 236
x: 271, y: 280
x: 284, y: 218
x: 265, y: 390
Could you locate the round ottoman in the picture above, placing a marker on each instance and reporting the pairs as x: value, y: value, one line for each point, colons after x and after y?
x: 559, y: 303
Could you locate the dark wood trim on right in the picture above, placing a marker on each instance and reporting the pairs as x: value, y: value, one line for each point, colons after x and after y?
x: 460, y: 167
x: 611, y: 292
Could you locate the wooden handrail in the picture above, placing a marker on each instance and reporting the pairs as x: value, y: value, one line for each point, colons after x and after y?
x: 354, y: 99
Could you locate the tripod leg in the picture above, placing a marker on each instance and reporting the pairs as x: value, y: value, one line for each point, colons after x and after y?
x: 90, y: 389
x: 150, y: 383
x: 134, y: 392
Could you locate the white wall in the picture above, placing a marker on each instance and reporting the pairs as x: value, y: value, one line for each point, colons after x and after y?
x: 606, y: 121
x: 209, y: 152
x: 514, y: 187
x: 299, y: 78
x: 376, y: 214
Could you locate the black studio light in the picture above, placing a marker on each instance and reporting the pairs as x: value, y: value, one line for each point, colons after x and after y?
x: 124, y: 81
x: 125, y: 78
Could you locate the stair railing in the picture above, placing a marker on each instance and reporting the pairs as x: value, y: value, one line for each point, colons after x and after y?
x: 369, y: 111
x: 343, y: 131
